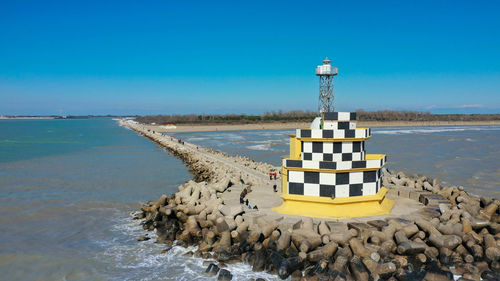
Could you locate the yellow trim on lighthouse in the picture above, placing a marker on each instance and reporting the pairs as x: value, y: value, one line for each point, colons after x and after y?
x: 295, y: 149
x: 335, y: 208
x: 284, y: 180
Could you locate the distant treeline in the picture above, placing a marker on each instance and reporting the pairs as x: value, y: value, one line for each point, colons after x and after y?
x: 279, y: 116
x: 299, y: 115
x: 403, y: 115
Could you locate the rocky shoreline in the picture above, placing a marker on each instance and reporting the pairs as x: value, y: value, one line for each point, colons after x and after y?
x: 456, y: 235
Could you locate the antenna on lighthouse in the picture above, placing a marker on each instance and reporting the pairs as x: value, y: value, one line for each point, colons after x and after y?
x: 326, y: 73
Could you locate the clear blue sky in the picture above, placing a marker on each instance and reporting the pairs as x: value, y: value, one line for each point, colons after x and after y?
x: 151, y: 57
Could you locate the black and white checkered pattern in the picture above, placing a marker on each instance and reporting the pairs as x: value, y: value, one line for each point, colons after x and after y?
x: 335, y: 157
x: 332, y: 147
x: 333, y: 151
x: 340, y: 165
x: 340, y: 125
x: 340, y: 116
x: 333, y: 134
x: 334, y: 184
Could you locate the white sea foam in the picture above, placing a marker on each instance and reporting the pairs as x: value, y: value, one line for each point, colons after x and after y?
x: 243, y: 271
x: 415, y: 131
x: 132, y: 260
x: 196, y: 139
x: 263, y: 147
x: 429, y: 130
x: 281, y: 140
x: 231, y: 136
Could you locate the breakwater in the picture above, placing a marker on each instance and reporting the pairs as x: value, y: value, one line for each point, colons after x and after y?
x: 454, y: 234
x: 207, y: 164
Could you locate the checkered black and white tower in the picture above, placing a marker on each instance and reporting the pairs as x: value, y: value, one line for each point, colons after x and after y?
x: 328, y: 173
x: 333, y: 161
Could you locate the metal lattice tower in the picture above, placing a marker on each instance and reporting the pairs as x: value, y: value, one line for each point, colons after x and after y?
x: 326, y: 73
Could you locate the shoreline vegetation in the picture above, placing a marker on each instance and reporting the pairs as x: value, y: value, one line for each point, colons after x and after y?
x: 308, y: 116
x: 302, y: 119
x: 450, y: 234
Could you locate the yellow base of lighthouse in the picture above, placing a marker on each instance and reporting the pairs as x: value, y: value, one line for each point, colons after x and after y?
x: 336, y: 208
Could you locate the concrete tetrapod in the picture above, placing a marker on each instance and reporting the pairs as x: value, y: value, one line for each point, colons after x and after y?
x: 457, y: 233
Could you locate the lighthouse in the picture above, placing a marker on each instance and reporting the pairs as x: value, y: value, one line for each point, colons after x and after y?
x: 328, y: 173
x: 326, y: 73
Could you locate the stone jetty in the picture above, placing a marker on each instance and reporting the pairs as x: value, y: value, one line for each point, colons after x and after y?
x: 434, y: 232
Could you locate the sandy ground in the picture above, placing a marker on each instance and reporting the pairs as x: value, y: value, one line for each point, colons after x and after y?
x: 303, y: 125
x: 266, y: 199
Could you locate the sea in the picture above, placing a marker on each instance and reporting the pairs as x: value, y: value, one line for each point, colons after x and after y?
x: 69, y: 187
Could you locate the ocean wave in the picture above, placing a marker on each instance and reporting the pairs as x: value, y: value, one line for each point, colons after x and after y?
x: 132, y: 260
x: 263, y: 147
x: 196, y: 139
x: 231, y: 137
x: 269, y: 141
x: 415, y: 131
x: 432, y: 130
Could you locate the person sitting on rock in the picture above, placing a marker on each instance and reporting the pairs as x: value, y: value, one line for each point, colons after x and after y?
x: 241, y: 200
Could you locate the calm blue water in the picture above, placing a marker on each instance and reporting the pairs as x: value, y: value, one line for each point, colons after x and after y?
x: 67, y: 188
x: 459, y: 155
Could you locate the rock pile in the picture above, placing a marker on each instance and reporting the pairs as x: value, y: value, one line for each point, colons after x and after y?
x: 456, y: 234
x: 264, y: 168
x: 463, y: 240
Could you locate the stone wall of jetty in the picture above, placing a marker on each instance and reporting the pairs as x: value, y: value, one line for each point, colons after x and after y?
x: 209, y: 165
